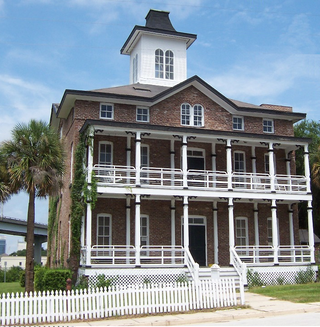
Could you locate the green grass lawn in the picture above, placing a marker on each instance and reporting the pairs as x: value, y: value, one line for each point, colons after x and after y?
x: 301, y: 293
x: 11, y: 287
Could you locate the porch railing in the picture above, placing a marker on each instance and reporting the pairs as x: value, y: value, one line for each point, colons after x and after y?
x: 265, y: 255
x: 113, y: 175
x: 125, y: 255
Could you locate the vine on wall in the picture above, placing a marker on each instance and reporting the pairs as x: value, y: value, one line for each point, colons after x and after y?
x: 82, y: 193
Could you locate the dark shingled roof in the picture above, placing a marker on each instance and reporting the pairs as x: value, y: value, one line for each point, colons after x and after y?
x: 159, y: 20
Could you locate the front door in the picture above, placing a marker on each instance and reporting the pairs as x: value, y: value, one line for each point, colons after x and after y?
x: 197, y: 243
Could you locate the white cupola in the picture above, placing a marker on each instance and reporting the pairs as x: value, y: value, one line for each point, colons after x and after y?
x: 158, y: 53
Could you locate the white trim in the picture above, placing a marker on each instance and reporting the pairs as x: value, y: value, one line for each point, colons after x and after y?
x: 112, y: 112
x: 111, y: 144
x: 142, y: 115
x: 104, y: 215
x: 245, y: 219
x: 242, y: 123
x: 272, y: 127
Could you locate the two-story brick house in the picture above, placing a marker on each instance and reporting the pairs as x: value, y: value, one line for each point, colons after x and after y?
x: 185, y: 176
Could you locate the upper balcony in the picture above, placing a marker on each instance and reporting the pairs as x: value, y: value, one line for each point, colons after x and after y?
x: 166, y: 178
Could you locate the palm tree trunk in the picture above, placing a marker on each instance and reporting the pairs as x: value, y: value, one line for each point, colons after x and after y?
x: 30, y: 242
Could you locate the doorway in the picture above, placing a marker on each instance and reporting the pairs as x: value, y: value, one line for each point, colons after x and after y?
x: 197, y: 239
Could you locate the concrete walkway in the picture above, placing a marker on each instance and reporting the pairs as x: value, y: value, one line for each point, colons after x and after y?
x: 258, y: 307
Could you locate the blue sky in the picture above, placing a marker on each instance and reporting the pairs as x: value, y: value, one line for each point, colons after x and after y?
x: 253, y: 51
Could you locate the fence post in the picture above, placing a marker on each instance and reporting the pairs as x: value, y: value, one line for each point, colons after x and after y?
x: 215, y: 272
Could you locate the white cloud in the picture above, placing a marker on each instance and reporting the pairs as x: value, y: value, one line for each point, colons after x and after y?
x: 266, y: 76
x: 21, y: 101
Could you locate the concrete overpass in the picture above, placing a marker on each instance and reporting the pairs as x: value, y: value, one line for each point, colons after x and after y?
x: 18, y: 227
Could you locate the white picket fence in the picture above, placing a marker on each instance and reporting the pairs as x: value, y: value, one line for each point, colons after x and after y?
x: 46, y: 307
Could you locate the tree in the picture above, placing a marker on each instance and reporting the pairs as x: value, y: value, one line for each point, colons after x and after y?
x: 35, y: 162
x: 310, y: 129
x: 5, y: 190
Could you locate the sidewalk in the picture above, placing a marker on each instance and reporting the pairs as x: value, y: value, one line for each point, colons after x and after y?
x: 258, y: 307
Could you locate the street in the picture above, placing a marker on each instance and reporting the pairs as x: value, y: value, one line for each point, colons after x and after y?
x: 302, y: 319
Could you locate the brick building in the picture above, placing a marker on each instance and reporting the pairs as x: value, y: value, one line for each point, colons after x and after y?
x: 185, y: 177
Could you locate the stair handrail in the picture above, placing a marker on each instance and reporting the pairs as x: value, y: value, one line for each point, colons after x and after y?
x: 239, y: 266
x: 192, y: 266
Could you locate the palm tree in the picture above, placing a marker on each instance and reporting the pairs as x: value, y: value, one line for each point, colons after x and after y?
x: 35, y: 162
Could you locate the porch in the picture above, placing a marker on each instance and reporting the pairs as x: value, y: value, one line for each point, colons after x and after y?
x: 167, y: 178
x: 119, y: 257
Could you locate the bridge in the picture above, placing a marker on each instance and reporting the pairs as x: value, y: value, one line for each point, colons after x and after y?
x: 18, y: 227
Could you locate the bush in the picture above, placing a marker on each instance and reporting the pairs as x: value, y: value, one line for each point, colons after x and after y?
x: 13, y: 274
x: 305, y: 276
x: 23, y: 278
x: 51, y: 279
x: 254, y: 278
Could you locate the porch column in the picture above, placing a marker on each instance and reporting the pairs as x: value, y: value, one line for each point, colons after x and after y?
x: 137, y: 230
x: 271, y: 167
x: 256, y: 231
x: 213, y: 157
x: 275, y: 241
x: 138, y: 158
x: 307, y: 167
x: 173, y: 222
x: 172, y: 165
x: 291, y: 229
x: 229, y: 164
x: 253, y: 159
x: 231, y: 227
x: 128, y: 211
x: 288, y: 166
x: 310, y: 231
x: 89, y: 210
x: 185, y: 222
x: 128, y: 152
x: 256, y: 223
x: 215, y: 233
x: 185, y: 161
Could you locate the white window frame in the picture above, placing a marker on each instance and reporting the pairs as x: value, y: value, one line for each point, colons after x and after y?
x: 144, y: 237
x: 235, y: 153
x: 159, y: 63
x: 268, y: 126
x: 241, y: 237
x: 142, y: 112
x: 191, y: 118
x: 266, y: 163
x: 109, y: 111
x: 169, y: 65
x: 111, y: 153
x: 109, y: 236
x: 236, y: 121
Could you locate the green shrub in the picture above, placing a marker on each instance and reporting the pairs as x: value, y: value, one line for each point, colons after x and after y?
x: 103, y: 282
x: 304, y: 276
x: 254, y: 279
x: 51, y: 279
x: 23, y: 278
x: 38, y: 278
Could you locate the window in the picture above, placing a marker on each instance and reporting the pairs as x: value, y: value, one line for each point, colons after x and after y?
x: 106, y: 111
x: 239, y: 162
x: 169, y: 64
x: 241, y: 231
x: 105, y: 153
x: 237, y: 123
x: 144, y: 230
x: 144, y: 163
x: 268, y: 126
x: 135, y: 68
x: 159, y: 63
x: 143, y: 114
x: 103, y: 229
x: 267, y: 163
x: 191, y: 116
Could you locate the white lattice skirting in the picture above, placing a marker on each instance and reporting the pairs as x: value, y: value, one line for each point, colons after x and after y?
x: 280, y: 275
x: 135, y: 276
